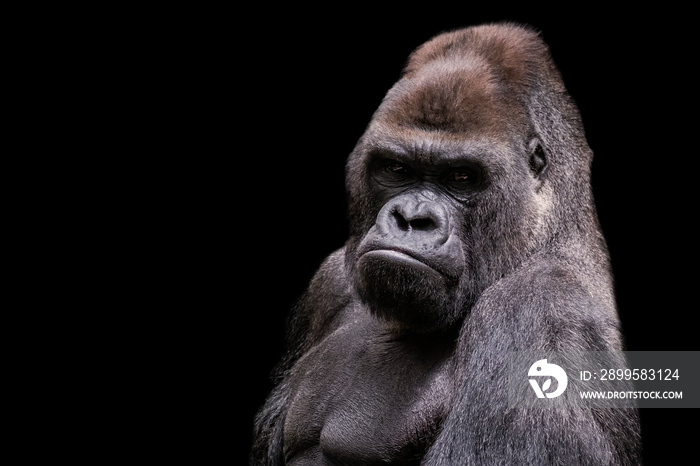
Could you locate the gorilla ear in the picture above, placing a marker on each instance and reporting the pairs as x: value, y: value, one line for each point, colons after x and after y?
x: 537, y: 159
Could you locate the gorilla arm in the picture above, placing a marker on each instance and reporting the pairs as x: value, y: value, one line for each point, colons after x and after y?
x: 314, y: 316
x: 541, y: 306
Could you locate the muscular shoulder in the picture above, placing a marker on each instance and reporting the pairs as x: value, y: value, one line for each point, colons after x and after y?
x: 560, y: 299
x: 320, y: 308
x: 330, y: 283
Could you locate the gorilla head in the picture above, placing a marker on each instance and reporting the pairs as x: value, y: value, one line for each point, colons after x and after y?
x: 460, y: 175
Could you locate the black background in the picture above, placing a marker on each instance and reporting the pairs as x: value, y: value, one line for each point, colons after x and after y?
x: 305, y: 84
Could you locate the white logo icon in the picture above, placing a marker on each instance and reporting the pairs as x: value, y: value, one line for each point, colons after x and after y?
x: 542, y: 369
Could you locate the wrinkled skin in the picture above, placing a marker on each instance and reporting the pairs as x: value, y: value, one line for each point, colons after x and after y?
x: 473, y: 234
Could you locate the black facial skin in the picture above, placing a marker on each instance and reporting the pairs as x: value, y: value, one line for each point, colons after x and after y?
x: 473, y: 235
x: 411, y: 261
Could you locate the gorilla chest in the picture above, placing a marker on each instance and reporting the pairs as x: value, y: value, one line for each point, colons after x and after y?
x: 362, y: 397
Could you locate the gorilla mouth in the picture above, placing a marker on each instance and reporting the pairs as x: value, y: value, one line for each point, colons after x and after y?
x: 403, y: 258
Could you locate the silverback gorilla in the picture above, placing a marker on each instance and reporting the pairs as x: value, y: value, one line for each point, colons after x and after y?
x: 473, y: 233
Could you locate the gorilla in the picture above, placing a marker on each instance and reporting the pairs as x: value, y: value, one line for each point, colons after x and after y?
x: 473, y: 234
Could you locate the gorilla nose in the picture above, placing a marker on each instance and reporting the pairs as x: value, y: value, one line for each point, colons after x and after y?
x: 420, y: 218
x: 415, y: 218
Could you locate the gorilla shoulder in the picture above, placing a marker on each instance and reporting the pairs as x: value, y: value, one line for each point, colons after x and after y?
x: 328, y: 295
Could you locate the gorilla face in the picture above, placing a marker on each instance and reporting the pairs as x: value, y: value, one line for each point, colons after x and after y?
x: 411, y: 261
x: 443, y: 195
x: 448, y: 223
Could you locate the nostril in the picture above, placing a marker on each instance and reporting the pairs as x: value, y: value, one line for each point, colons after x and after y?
x: 401, y: 222
x: 423, y: 224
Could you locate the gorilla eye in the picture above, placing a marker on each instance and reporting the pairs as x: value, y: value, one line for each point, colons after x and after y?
x: 389, y: 172
x: 397, y: 168
x: 461, y: 176
x: 463, y: 182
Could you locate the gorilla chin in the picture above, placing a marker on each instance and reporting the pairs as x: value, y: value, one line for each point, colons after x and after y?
x: 401, y: 288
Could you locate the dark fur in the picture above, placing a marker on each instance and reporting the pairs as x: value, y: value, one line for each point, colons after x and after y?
x: 391, y: 361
